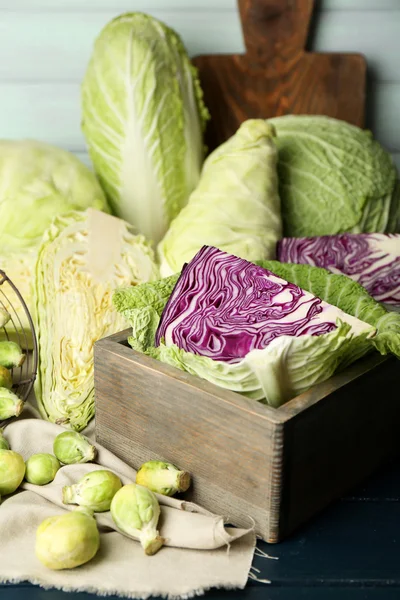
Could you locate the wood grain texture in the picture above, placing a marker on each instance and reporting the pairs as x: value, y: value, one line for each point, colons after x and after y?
x: 49, y: 112
x: 339, y: 442
x: 231, y: 450
x: 41, y: 71
x: 277, y: 466
x: 277, y: 76
x: 46, y: 54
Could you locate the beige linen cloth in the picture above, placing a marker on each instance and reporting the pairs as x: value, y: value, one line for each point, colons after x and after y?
x: 200, y: 552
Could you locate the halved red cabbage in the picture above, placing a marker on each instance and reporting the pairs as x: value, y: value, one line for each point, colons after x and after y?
x: 224, y: 307
x: 371, y: 259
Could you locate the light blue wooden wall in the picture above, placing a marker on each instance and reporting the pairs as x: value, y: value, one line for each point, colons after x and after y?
x: 45, y: 46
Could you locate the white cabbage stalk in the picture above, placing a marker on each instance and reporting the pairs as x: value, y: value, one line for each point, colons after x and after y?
x: 143, y: 119
x: 84, y: 256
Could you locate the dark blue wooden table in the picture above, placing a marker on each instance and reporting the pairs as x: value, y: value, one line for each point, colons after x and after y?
x: 350, y: 552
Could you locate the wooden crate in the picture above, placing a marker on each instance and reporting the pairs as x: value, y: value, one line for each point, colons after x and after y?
x: 277, y: 466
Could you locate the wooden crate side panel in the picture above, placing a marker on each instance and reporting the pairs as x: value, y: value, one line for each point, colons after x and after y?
x: 338, y: 442
x: 142, y: 414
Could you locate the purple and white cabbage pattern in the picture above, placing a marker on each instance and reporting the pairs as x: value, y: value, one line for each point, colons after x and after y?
x: 224, y: 307
x: 371, y: 259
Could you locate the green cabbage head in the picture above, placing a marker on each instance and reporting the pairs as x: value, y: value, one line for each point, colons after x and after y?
x: 333, y: 178
x: 38, y: 183
x: 143, y: 118
x: 84, y: 256
x: 235, y: 205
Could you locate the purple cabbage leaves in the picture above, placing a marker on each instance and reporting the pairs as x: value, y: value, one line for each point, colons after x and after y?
x: 371, y: 259
x: 224, y: 307
x: 243, y: 328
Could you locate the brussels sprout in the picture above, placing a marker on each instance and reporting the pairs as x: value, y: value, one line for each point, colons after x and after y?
x: 4, y: 317
x: 12, y: 471
x: 67, y: 541
x: 135, y: 511
x: 11, y: 355
x: 5, y: 378
x: 163, y: 478
x: 72, y: 447
x: 94, y: 491
x: 10, y: 404
x: 4, y: 445
x: 41, y: 468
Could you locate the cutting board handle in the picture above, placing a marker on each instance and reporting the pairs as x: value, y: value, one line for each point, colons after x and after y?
x: 275, y: 28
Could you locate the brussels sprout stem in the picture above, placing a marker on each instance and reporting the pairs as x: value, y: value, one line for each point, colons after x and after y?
x: 168, y: 478
x: 19, y: 407
x: 183, y: 481
x: 163, y: 478
x: 90, y: 453
x: 20, y: 361
x: 150, y: 540
x: 13, y: 408
x: 69, y: 495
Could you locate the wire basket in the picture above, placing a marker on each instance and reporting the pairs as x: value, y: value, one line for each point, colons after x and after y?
x: 19, y: 329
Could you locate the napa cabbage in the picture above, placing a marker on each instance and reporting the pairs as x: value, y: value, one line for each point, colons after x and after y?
x: 143, y: 118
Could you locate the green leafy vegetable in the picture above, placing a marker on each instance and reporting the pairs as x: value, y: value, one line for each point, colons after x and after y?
x: 349, y: 296
x: 83, y: 258
x: 325, y: 163
x: 67, y: 541
x: 39, y: 182
x: 41, y: 468
x: 94, y: 491
x: 5, y: 378
x: 12, y: 471
x: 135, y: 511
x: 288, y: 365
x: 71, y: 447
x: 4, y: 445
x: 339, y: 290
x: 11, y: 405
x: 11, y: 355
x: 163, y: 478
x: 236, y: 204
x: 143, y: 118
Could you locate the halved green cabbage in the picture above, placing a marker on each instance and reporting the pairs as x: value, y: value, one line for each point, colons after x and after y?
x: 84, y: 256
x: 143, y: 119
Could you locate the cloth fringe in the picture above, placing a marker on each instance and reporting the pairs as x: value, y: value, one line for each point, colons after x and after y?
x: 118, y: 593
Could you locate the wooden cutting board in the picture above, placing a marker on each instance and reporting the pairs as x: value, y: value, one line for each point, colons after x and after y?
x: 276, y: 76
